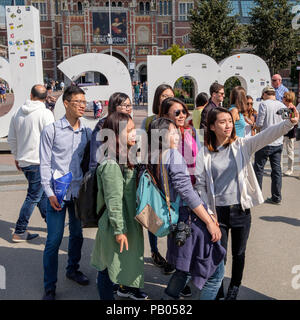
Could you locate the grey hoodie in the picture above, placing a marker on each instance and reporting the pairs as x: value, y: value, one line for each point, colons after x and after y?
x: 25, y: 129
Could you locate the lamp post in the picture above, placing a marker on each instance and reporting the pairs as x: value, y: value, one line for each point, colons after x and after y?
x: 109, y: 35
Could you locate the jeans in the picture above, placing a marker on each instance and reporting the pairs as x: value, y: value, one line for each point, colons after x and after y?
x: 153, y: 242
x: 239, y: 221
x: 56, y: 225
x: 35, y: 196
x: 105, y: 286
x: 209, y: 291
x: 274, y: 155
x: 136, y: 98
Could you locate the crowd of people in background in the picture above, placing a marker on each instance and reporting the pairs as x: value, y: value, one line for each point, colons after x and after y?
x: 217, y: 183
x: 140, y: 92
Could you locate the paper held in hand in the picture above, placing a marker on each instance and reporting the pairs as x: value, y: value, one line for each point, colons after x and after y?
x: 61, y: 184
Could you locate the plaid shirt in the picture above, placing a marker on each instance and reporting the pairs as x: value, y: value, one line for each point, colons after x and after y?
x: 280, y: 92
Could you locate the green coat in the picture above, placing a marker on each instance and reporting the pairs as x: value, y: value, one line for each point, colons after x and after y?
x: 119, y: 191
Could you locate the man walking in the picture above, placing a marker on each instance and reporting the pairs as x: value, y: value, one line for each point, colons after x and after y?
x: 267, y: 117
x: 280, y: 89
x: 24, y: 139
x: 217, y: 95
x: 61, y: 149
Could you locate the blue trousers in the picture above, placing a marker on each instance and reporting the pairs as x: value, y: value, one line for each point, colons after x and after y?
x: 273, y: 153
x: 209, y: 291
x: 56, y: 225
x: 35, y: 197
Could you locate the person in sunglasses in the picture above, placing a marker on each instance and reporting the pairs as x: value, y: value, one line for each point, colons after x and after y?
x: 176, y: 110
x: 238, y: 102
x: 250, y: 118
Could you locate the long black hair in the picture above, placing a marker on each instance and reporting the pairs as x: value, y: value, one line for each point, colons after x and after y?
x: 156, y: 100
x: 210, y: 137
x: 112, y: 122
x: 155, y: 156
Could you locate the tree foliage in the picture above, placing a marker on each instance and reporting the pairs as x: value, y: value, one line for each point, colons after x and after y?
x: 213, y: 31
x: 175, y: 51
x: 271, y: 33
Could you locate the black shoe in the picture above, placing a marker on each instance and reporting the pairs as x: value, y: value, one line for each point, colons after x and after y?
x: 271, y: 201
x: 115, y: 288
x: 158, y: 260
x: 186, y: 292
x: 49, y: 295
x: 133, y: 293
x: 232, y: 293
x: 169, y: 268
x: 78, y: 277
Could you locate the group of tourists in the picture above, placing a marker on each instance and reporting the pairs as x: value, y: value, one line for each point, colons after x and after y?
x: 214, y: 184
x: 2, y: 93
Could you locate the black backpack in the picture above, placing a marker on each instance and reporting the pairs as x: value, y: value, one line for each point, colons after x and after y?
x: 85, y: 162
x: 86, y: 201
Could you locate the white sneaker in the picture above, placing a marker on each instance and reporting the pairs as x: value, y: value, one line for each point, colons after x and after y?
x: 289, y: 172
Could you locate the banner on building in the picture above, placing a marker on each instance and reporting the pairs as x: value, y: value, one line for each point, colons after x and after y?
x: 101, y: 27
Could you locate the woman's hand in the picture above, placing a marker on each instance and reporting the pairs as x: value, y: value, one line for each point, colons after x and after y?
x: 122, y: 240
x: 213, y: 228
x: 295, y: 119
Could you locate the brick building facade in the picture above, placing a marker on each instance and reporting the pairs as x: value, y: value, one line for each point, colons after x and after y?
x: 71, y: 27
x: 147, y: 27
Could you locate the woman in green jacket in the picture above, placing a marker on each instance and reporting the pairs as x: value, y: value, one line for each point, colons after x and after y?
x: 118, y: 253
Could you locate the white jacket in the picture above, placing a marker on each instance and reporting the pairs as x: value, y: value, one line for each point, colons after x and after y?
x: 25, y: 129
x: 242, y: 149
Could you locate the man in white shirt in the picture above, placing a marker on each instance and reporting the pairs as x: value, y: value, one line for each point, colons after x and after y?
x: 24, y: 139
x: 267, y: 117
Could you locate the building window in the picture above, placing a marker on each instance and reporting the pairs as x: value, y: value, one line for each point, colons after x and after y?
x: 56, y: 7
x: 235, y: 8
x: 113, y: 4
x: 43, y: 39
x: 184, y: 10
x: 44, y: 56
x: 119, y: 4
x: 186, y: 38
x: 147, y: 7
x: 247, y: 7
x: 142, y: 8
x: 165, y: 28
x: 42, y: 7
x: 165, y: 44
x: 79, y: 6
x: 165, y: 8
x: 170, y: 8
x: 64, y: 5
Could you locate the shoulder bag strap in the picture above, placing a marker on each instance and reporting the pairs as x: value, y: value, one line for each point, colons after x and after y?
x: 166, y: 187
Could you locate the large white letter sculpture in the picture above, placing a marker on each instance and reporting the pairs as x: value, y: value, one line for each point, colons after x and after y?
x: 251, y: 70
x: 114, y: 70
x: 25, y: 62
x: 25, y: 68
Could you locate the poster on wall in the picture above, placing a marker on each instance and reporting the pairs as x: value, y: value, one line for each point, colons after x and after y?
x: 101, y: 27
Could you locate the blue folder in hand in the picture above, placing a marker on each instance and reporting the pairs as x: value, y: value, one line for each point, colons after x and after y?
x: 61, y: 184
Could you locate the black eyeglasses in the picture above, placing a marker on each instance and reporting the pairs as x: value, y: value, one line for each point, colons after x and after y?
x: 177, y: 112
x: 250, y: 103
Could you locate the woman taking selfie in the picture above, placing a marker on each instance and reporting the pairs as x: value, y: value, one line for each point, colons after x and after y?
x: 226, y: 182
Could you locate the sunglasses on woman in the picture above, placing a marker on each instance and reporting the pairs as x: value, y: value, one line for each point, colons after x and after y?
x: 177, y: 112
